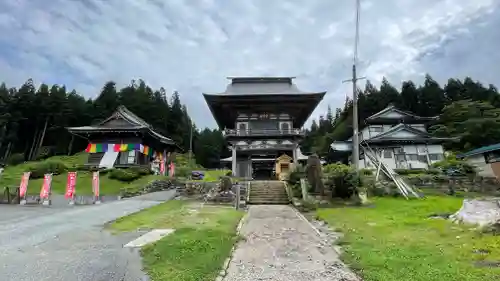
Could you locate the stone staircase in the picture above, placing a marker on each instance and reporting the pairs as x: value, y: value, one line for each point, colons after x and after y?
x: 268, y: 192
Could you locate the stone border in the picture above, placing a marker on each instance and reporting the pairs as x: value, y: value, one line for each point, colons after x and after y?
x: 223, y: 271
x: 301, y: 216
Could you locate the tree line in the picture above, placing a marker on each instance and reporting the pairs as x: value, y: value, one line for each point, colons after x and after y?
x: 467, y: 110
x: 33, y: 120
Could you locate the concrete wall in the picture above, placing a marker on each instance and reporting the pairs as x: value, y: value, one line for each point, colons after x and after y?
x: 484, y: 169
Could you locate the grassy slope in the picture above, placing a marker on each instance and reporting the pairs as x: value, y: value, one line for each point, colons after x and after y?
x: 197, y: 249
x: 395, y: 241
x: 12, y: 177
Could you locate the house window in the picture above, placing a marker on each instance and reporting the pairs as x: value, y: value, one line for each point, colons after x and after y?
x: 242, y: 128
x: 387, y: 154
x: 285, y: 127
x: 436, y: 157
x: 412, y: 157
x: 422, y: 158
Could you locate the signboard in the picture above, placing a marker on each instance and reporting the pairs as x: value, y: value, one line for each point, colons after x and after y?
x: 70, y: 185
x: 95, y: 183
x: 23, y: 187
x: 47, y: 181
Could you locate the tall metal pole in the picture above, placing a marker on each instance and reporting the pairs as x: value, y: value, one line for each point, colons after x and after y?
x: 190, y: 142
x: 355, y: 137
x: 354, y: 80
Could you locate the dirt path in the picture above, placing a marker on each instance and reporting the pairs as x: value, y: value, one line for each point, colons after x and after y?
x: 279, y: 245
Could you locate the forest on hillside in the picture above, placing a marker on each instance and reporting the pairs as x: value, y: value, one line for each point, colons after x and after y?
x: 33, y: 119
x: 467, y: 110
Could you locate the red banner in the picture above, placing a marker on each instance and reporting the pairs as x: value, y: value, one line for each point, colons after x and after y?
x: 95, y: 183
x: 172, y: 169
x: 70, y: 185
x: 47, y: 181
x: 23, y: 187
x: 162, y: 167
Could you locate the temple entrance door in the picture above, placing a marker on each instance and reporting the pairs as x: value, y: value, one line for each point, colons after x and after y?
x: 263, y: 170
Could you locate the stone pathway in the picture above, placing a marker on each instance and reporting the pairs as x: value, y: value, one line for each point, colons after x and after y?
x: 279, y: 245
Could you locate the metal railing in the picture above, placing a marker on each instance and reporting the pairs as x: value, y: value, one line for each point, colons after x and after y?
x: 263, y: 132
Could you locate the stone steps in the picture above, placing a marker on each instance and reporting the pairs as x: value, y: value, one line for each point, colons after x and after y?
x: 268, y: 192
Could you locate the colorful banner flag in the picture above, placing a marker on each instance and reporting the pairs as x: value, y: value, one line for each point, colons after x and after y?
x: 47, y: 181
x: 162, y: 167
x: 23, y: 187
x: 70, y: 185
x: 172, y: 169
x: 119, y: 147
x: 95, y: 183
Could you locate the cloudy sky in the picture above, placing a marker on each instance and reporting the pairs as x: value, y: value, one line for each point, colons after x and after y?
x: 192, y: 45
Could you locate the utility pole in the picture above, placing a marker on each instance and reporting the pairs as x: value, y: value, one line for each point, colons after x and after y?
x: 190, y: 141
x: 354, y: 80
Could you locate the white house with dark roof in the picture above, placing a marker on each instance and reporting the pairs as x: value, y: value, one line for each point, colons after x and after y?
x: 399, y: 138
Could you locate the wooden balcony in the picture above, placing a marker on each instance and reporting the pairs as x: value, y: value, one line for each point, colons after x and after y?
x: 263, y: 133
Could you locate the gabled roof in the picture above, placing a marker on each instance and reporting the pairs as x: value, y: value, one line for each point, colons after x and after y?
x: 122, y: 113
x: 403, y: 114
x: 401, y: 127
x: 127, y: 115
x: 412, y: 135
x: 480, y: 150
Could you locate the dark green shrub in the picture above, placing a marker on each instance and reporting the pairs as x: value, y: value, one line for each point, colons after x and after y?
x: 15, y: 159
x: 47, y: 167
x: 183, y: 171
x: 225, y: 183
x: 143, y: 171
x: 451, y: 163
x: 44, y: 152
x: 125, y: 175
x: 366, y: 172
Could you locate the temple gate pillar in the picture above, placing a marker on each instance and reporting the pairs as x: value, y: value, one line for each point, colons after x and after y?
x: 233, y: 161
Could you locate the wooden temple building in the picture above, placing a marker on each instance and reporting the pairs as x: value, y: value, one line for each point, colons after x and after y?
x: 262, y: 119
x: 399, y: 138
x: 124, y: 140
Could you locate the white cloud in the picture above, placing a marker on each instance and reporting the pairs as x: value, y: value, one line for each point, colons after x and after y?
x: 193, y: 45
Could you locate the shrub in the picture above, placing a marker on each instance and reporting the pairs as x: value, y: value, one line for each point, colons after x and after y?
x: 183, y: 171
x: 125, y: 175
x: 366, y: 172
x: 342, y: 180
x: 15, y: 159
x: 47, y: 167
x: 225, y: 183
x: 142, y: 171
x: 44, y: 153
x: 451, y: 165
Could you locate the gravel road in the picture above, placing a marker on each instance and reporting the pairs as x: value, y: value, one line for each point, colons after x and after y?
x: 281, y: 246
x: 51, y: 243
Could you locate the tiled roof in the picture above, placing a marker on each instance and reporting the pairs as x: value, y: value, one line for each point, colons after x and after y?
x: 480, y: 150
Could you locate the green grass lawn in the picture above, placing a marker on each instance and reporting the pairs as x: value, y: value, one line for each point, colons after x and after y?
x: 197, y: 249
x: 394, y: 240
x: 12, y: 177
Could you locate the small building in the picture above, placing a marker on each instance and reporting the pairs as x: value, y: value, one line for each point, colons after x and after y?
x: 124, y: 140
x: 486, y: 159
x: 262, y: 119
x: 399, y: 138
